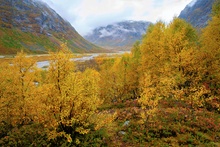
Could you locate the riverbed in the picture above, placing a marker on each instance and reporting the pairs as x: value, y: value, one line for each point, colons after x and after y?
x: 45, y: 64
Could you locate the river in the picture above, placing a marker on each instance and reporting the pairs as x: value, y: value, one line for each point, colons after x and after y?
x: 43, y: 64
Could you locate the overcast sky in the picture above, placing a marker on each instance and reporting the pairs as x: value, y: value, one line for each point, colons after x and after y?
x: 85, y: 15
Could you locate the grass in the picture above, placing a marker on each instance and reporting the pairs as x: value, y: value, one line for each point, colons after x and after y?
x: 13, y: 40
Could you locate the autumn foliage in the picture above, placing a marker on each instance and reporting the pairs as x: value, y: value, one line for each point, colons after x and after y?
x: 61, y: 101
x: 166, y: 92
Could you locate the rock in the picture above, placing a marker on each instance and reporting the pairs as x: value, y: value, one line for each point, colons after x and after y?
x: 122, y: 132
x: 126, y: 123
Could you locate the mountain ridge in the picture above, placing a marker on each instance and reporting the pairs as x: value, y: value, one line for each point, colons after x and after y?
x: 34, y: 18
x: 197, y: 12
x: 120, y: 35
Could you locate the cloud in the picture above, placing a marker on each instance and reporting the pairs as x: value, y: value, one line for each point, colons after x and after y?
x: 105, y: 33
x: 85, y: 15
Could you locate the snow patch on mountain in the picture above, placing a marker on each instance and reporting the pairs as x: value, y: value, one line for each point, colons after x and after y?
x: 105, y: 33
x: 118, y: 34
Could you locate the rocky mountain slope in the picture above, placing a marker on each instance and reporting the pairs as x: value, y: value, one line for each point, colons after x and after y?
x: 33, y: 26
x: 197, y: 12
x: 119, y: 35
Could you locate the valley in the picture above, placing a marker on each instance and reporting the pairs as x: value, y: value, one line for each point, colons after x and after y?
x: 128, y: 83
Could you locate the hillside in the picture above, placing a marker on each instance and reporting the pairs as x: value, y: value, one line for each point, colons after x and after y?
x: 33, y: 26
x: 197, y: 12
x: 121, y: 35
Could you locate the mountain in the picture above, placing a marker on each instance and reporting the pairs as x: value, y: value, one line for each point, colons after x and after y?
x: 197, y: 12
x: 33, y: 26
x: 120, y: 35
